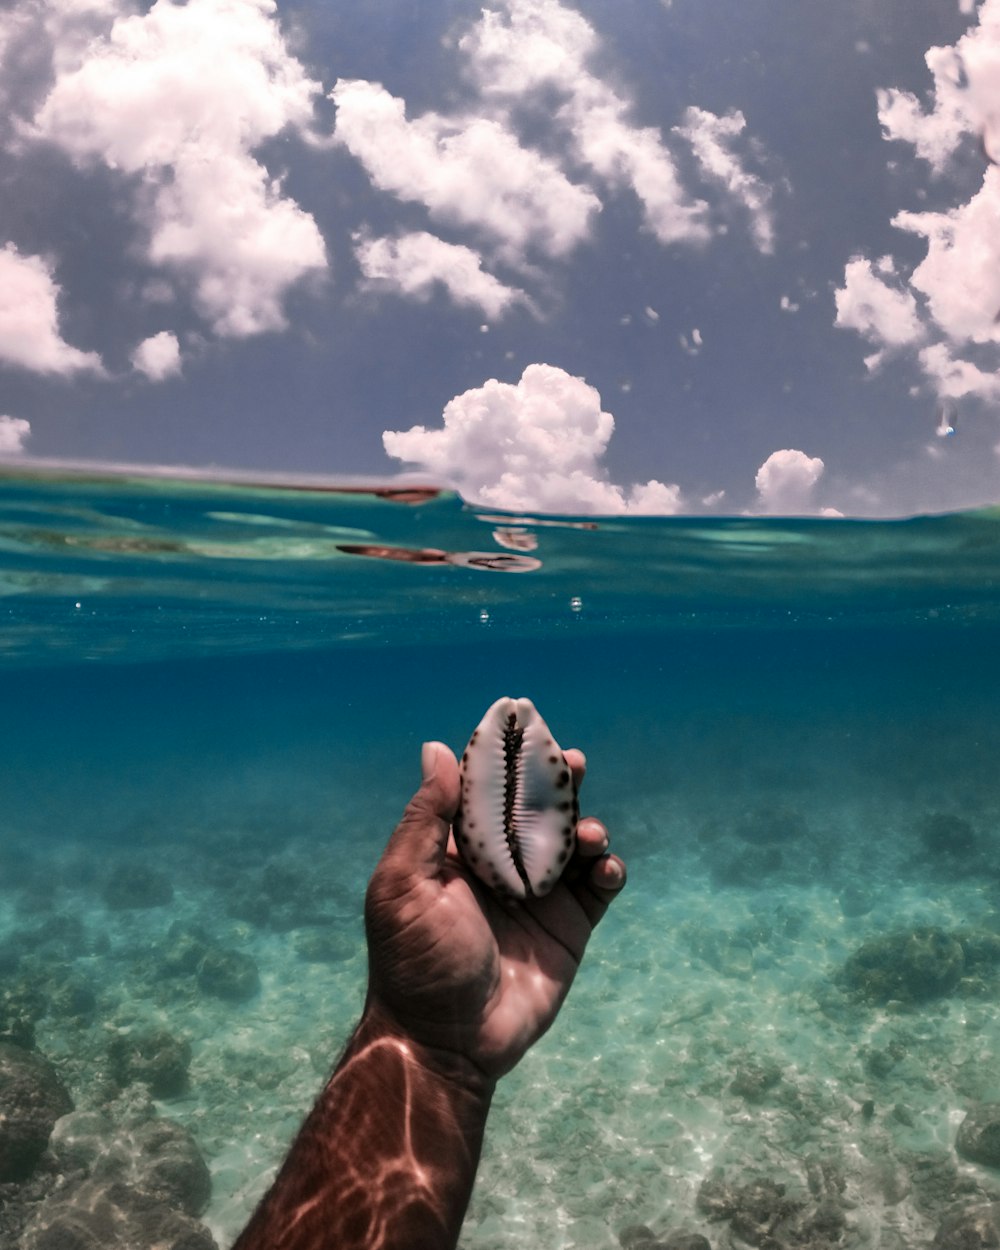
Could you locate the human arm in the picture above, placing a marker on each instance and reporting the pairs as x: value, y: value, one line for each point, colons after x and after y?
x: 461, y: 983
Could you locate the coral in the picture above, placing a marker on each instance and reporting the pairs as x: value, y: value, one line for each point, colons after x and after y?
x: 133, y: 886
x: 942, y: 834
x: 912, y: 966
x: 761, y: 1213
x: 970, y: 1228
x: 32, y: 1098
x: 753, y: 1080
x: 326, y: 946
x: 183, y: 949
x: 229, y: 975
x: 157, y: 1057
x: 140, y: 1185
x: 978, y: 1138
x: 95, y: 1216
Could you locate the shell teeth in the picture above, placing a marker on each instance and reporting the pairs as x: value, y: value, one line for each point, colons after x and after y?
x: 516, y: 825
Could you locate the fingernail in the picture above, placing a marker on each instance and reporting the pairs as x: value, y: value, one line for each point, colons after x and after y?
x: 428, y: 760
x: 615, y: 873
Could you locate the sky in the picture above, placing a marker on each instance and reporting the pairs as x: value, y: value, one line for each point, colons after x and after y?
x: 576, y: 256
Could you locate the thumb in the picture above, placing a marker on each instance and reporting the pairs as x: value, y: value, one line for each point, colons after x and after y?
x: 421, y: 838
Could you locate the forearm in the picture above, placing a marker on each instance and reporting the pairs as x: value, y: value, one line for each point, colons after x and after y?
x: 386, y: 1159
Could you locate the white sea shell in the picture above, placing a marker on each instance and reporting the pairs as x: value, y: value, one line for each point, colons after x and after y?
x: 516, y: 824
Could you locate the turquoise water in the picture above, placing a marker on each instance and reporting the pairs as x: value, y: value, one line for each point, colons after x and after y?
x: 791, y: 732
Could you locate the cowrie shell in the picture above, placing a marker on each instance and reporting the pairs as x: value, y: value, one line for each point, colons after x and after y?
x: 516, y: 823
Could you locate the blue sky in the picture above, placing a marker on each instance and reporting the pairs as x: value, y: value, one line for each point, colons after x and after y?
x: 648, y: 256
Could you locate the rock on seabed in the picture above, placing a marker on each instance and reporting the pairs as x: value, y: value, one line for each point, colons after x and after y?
x: 32, y: 1098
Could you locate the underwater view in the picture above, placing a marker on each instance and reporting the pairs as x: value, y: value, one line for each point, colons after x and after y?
x: 785, y: 1033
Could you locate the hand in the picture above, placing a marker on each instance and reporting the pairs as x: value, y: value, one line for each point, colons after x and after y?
x: 452, y: 966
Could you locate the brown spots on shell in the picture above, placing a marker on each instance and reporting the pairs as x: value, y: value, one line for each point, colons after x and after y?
x: 514, y: 826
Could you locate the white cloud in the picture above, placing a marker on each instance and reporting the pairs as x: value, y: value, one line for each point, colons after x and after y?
x: 469, y: 171
x: 934, y: 135
x: 531, y: 62
x: 966, y: 95
x: 414, y: 263
x: 691, y: 345
x: 960, y: 275
x: 712, y: 138
x: 535, y: 445
x: 29, y: 319
x: 954, y: 378
x: 949, y: 306
x: 182, y: 95
x: 786, y: 482
x: 158, y: 357
x: 536, y: 45
x: 886, y: 315
x: 13, y: 432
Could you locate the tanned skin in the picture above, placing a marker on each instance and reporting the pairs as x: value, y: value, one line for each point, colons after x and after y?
x: 460, y: 984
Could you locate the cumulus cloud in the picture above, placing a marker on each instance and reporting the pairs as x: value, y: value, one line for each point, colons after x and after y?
x: 29, y: 319
x: 960, y: 275
x: 947, y: 308
x: 955, y: 378
x: 181, y: 96
x: 536, y: 45
x: 526, y: 167
x: 469, y: 171
x: 884, y: 314
x: 158, y: 357
x: 786, y: 483
x: 414, y: 264
x: 712, y: 140
x: 966, y: 92
x: 13, y: 433
x: 535, y: 445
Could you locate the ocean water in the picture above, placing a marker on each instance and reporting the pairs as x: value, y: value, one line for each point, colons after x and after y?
x: 212, y: 718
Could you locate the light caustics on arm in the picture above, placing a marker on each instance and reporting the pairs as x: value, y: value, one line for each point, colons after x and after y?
x: 386, y: 1159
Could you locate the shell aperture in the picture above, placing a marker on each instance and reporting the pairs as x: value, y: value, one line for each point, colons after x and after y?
x: 516, y: 823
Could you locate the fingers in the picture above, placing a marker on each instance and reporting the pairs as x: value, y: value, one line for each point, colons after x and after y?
x: 607, y: 878
x: 577, y: 762
x: 591, y: 838
x: 419, y: 842
x: 601, y: 876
